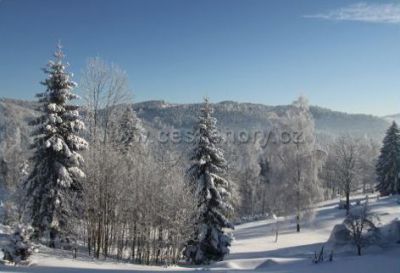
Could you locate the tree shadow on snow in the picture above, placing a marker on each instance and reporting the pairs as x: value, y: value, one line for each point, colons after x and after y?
x: 287, y: 252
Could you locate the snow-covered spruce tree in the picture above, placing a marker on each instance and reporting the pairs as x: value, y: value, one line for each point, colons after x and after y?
x: 129, y: 132
x: 19, y: 247
x: 388, y: 166
x: 53, y: 189
x: 209, y: 241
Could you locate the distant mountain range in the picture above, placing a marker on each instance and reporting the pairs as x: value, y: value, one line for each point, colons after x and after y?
x: 15, y: 115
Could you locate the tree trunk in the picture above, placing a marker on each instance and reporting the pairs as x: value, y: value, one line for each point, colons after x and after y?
x: 98, y: 240
x: 347, y: 202
x: 298, y: 223
x: 133, y: 238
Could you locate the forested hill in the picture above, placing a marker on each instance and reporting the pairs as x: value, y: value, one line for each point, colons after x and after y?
x: 336, y: 123
x: 15, y: 115
x: 236, y: 115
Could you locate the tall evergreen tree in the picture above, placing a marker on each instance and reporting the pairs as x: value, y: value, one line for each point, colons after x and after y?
x: 388, y: 166
x: 129, y: 131
x: 209, y: 242
x: 53, y: 189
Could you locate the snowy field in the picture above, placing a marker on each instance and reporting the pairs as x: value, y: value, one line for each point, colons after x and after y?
x: 254, y: 249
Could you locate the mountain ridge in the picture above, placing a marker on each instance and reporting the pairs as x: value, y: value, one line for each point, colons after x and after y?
x: 230, y: 114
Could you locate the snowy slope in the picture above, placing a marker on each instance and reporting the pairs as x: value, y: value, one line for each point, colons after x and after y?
x: 254, y: 249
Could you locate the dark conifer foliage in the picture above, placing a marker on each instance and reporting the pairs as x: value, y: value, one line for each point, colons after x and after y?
x: 53, y: 189
x: 388, y: 166
x: 209, y: 242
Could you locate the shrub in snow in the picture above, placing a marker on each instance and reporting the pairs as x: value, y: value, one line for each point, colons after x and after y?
x: 361, y: 224
x: 19, y: 248
x: 373, y: 238
x: 340, y: 235
x: 391, y: 232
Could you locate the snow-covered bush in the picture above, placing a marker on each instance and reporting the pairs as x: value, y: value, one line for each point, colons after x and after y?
x: 361, y: 224
x: 391, y: 232
x: 370, y: 237
x: 340, y: 235
x: 358, y: 229
x: 19, y: 248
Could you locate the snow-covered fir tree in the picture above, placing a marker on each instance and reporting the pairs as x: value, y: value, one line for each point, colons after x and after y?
x: 388, y: 166
x: 53, y: 189
x: 129, y: 131
x: 19, y: 247
x: 209, y: 242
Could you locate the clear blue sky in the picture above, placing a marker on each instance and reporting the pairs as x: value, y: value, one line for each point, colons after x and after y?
x: 344, y: 55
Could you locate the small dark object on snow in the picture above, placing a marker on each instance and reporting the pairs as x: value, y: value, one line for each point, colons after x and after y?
x: 320, y: 257
x: 331, y: 256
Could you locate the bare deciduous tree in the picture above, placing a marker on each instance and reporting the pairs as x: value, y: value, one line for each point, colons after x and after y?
x: 298, y: 163
x: 136, y: 204
x: 105, y: 87
x: 345, y: 166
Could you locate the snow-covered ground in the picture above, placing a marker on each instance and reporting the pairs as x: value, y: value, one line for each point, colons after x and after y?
x: 254, y: 248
